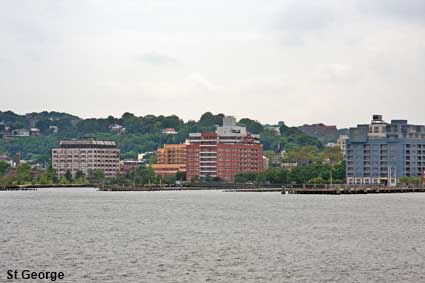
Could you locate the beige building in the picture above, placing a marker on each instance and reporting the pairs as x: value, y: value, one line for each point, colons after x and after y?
x: 86, y: 155
x: 168, y: 169
x: 170, y: 159
x: 342, y: 143
x: 172, y: 154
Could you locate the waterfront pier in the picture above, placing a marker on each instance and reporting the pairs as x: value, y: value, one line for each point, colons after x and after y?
x: 350, y: 189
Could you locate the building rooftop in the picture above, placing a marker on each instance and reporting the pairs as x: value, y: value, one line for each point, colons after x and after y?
x: 86, y: 143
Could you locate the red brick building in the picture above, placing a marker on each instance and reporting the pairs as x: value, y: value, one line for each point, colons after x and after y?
x: 223, y: 154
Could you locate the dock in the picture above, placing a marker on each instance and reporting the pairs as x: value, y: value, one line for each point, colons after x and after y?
x: 255, y: 190
x: 346, y: 190
x: 16, y: 188
x: 193, y: 187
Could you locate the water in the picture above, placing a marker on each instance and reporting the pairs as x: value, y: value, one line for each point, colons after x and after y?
x: 211, y: 236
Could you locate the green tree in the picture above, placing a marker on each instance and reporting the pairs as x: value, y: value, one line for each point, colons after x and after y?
x: 23, y: 173
x: 80, y: 174
x: 332, y: 154
x: 252, y: 126
x: 409, y: 180
x: 146, y: 175
x: 4, y: 167
x: 68, y: 176
x: 96, y: 176
x: 303, y: 155
x: 63, y: 181
x: 181, y: 176
x: 316, y: 181
x: 44, y: 179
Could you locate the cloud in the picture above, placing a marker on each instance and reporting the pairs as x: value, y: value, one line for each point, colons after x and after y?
x: 334, y: 72
x: 201, y: 83
x: 406, y: 9
x: 168, y: 58
x: 155, y: 58
x: 304, y: 16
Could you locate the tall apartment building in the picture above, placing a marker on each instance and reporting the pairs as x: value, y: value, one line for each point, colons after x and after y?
x: 381, y: 153
x: 86, y: 155
x: 224, y: 153
x: 170, y: 159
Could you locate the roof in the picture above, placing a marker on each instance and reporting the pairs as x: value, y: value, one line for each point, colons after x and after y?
x: 87, y: 142
x: 163, y: 166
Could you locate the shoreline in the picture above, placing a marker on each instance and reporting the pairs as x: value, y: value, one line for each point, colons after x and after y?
x: 322, y: 190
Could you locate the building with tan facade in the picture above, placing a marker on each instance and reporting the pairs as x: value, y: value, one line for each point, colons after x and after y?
x: 170, y: 159
x: 172, y: 154
x: 86, y: 155
x: 165, y: 170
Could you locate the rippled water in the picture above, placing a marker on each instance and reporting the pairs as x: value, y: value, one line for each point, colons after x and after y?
x: 212, y: 236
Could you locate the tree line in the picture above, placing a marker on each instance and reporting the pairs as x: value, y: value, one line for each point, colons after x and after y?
x: 143, y: 133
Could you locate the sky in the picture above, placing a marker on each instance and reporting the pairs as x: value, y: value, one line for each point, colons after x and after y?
x: 298, y: 61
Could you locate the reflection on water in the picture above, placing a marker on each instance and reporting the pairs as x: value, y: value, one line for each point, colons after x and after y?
x: 211, y: 236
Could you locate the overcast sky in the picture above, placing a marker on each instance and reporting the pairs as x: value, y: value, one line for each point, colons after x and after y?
x: 299, y: 61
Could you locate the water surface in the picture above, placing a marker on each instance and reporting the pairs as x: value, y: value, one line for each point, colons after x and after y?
x: 211, y: 236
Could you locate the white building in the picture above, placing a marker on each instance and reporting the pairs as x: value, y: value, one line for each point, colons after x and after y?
x: 342, y: 143
x: 169, y: 131
x: 85, y: 156
x: 21, y: 133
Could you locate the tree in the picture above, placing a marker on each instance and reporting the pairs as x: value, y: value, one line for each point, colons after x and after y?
x: 63, y: 181
x: 80, y: 174
x: 68, y: 176
x: 252, y: 126
x: 23, y: 173
x: 181, y: 176
x: 208, y: 119
x: 333, y: 154
x: 96, y: 176
x: 80, y: 177
x: 303, y: 155
x: 316, y: 181
x: 169, y: 179
x: 44, y: 179
x: 146, y: 175
x: 409, y: 180
x: 4, y: 167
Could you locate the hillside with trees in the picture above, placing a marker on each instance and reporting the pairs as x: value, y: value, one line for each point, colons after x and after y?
x: 137, y: 133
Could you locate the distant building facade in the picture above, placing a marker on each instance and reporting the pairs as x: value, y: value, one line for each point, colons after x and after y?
x: 224, y: 153
x: 118, y: 129
x: 172, y: 154
x: 170, y: 159
x: 86, y: 155
x: 21, y: 133
x: 169, y: 131
x: 54, y: 129
x: 381, y: 153
x: 129, y: 166
x: 342, y: 143
x: 266, y: 162
x: 165, y: 170
x: 34, y: 132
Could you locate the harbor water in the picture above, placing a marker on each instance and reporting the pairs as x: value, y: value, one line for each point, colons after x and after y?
x: 213, y: 236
